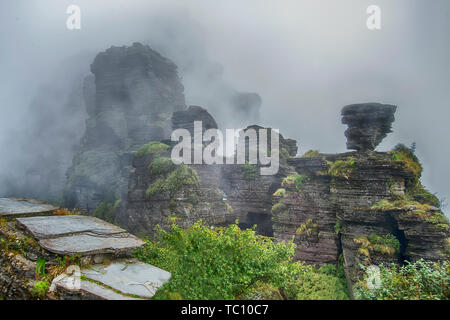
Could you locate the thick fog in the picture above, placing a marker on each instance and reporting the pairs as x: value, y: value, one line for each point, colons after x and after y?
x: 306, y: 59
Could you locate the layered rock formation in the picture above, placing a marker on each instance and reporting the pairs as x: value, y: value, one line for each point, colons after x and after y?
x: 368, y: 207
x: 130, y: 99
x: 368, y: 124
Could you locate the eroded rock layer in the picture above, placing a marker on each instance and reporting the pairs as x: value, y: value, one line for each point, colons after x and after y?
x: 130, y: 99
x: 368, y: 124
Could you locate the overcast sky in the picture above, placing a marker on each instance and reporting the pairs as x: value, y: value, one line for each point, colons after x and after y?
x: 307, y: 59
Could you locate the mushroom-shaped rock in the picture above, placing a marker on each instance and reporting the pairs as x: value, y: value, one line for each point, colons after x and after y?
x: 368, y: 124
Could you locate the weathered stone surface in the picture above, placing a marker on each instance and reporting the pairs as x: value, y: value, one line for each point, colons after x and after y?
x: 129, y: 277
x: 58, y: 226
x: 368, y: 124
x: 71, y: 235
x: 130, y: 102
x: 89, y: 291
x: 91, y: 243
x: 14, y: 207
x: 224, y: 193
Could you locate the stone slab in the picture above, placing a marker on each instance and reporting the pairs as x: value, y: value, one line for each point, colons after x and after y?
x: 90, y: 290
x: 129, y: 277
x: 16, y: 207
x: 57, y: 226
x: 89, y: 244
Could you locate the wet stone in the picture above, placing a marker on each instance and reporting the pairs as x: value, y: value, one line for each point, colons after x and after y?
x: 88, y: 244
x: 15, y: 207
x: 71, y: 235
x: 56, y: 226
x: 129, y: 277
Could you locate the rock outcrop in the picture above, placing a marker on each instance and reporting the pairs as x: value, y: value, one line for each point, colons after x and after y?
x: 42, y: 245
x: 367, y: 207
x: 130, y: 99
x: 368, y: 124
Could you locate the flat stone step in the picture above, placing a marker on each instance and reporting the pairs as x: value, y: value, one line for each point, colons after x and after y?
x: 72, y: 235
x: 17, y: 207
x: 129, y: 277
x: 58, y: 226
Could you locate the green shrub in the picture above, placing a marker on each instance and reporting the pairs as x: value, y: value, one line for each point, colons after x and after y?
x: 386, y: 244
x: 326, y: 283
x: 311, y: 154
x: 295, y: 180
x: 403, y: 154
x: 107, y: 209
x: 422, y: 280
x: 153, y: 147
x: 40, y: 289
x: 341, y: 168
x: 161, y: 166
x: 278, y: 208
x: 218, y: 263
x: 250, y: 171
x: 183, y: 176
x: 280, y: 192
x: 420, y: 194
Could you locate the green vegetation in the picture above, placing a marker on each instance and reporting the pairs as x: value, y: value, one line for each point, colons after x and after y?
x: 182, y: 176
x: 311, y: 154
x: 153, y: 147
x: 230, y: 263
x: 307, y: 228
x: 250, y: 171
x: 161, y: 166
x: 386, y: 244
x: 420, y: 194
x: 278, y: 208
x: 415, y: 190
x: 337, y: 227
x: 295, y: 180
x: 40, y: 289
x: 40, y: 269
x: 280, y: 192
x: 341, y: 168
x: 106, y: 210
x: 415, y: 209
x: 422, y: 280
x: 403, y: 154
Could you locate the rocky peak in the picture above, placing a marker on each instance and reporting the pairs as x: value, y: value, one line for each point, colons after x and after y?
x: 185, y: 119
x: 368, y: 124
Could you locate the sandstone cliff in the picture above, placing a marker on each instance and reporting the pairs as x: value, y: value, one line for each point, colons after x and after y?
x: 365, y: 206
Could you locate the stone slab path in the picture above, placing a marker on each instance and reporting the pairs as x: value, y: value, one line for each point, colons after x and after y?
x: 120, y: 279
x: 15, y: 207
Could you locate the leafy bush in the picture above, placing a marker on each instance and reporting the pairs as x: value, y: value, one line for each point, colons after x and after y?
x: 311, y: 154
x: 420, y: 194
x: 107, y: 209
x: 278, y: 208
x: 219, y: 263
x: 422, y: 280
x: 280, y: 192
x: 40, y: 289
x: 182, y: 176
x: 386, y: 244
x: 295, y: 180
x: 153, y: 147
x: 341, y: 168
x: 250, y: 171
x: 403, y: 154
x: 161, y: 166
x: 230, y: 263
x: 321, y: 285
